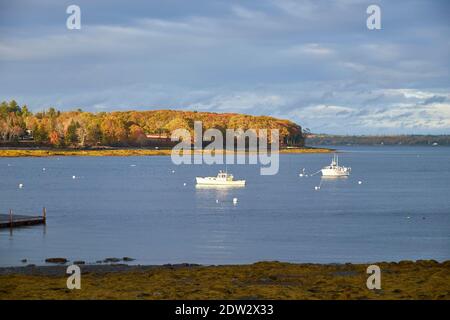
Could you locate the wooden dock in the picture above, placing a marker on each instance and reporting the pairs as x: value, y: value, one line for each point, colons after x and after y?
x: 12, y: 220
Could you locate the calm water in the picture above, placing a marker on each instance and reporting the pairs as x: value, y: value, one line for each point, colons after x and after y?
x: 136, y: 207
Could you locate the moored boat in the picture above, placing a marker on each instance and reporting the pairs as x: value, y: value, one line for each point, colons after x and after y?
x: 335, y: 170
x: 222, y: 179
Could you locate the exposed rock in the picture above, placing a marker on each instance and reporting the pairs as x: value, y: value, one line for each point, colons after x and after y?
x: 143, y: 295
x: 180, y: 265
x: 56, y: 260
x: 79, y: 262
x: 127, y: 259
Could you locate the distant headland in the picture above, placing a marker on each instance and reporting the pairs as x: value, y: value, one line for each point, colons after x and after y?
x: 407, y: 140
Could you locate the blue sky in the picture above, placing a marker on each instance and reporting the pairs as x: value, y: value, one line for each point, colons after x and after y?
x: 310, y: 61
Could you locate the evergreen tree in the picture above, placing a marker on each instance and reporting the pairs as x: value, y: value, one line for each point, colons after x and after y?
x: 71, y: 136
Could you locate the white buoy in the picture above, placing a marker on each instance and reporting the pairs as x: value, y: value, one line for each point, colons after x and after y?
x: 359, y: 182
x: 20, y: 185
x: 235, y: 200
x: 184, y: 184
x: 301, y: 174
x: 316, y: 188
x: 73, y: 177
x: 217, y: 200
x: 43, y: 169
x: 173, y: 171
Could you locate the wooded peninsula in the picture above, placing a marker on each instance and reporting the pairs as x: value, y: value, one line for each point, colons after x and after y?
x: 77, y: 129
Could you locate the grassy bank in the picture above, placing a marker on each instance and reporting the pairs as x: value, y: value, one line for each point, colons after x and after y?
x: 118, y: 152
x: 264, y: 280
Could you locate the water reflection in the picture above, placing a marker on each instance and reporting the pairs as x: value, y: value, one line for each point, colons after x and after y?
x: 216, y: 213
x: 217, y: 187
x: 216, y: 194
x: 325, y: 178
x: 332, y: 182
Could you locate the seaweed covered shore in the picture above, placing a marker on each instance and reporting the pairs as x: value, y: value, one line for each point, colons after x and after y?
x: 423, y: 279
x: 10, y: 153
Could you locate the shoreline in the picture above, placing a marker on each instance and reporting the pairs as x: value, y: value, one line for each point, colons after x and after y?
x: 15, y: 153
x: 421, y: 279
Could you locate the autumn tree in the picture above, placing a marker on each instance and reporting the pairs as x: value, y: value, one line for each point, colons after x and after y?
x: 113, y: 129
x: 55, y: 139
x: 93, y: 133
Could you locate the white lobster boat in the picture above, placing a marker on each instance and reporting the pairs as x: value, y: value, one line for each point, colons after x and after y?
x: 222, y: 179
x: 334, y: 170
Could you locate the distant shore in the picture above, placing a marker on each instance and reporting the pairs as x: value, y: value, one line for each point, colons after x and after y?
x: 378, y: 140
x: 423, y: 279
x: 10, y: 152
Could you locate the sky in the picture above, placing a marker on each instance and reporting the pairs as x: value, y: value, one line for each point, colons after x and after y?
x: 310, y: 61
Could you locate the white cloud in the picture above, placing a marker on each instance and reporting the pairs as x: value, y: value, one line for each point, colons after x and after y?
x: 249, y: 102
x: 432, y: 117
x: 411, y: 93
x: 327, y: 111
x: 245, y: 13
x: 308, y: 49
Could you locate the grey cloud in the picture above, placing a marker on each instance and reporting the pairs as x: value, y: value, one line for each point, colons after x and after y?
x: 276, y: 57
x: 435, y: 99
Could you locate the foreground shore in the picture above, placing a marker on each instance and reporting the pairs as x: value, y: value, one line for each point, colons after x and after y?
x: 423, y: 279
x: 119, y: 152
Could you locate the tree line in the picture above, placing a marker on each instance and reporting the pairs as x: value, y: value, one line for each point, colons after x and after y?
x: 78, y: 128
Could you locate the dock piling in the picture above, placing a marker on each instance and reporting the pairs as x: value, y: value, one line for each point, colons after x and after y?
x: 12, y: 220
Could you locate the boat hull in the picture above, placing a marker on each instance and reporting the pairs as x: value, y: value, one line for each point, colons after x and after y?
x: 334, y: 173
x: 215, y: 182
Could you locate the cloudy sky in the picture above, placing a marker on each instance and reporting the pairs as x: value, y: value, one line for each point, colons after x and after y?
x: 311, y: 61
